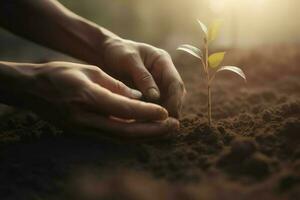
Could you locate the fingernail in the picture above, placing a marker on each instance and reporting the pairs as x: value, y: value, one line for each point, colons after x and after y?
x: 164, y: 113
x: 153, y: 94
x: 173, y: 124
x: 136, y: 94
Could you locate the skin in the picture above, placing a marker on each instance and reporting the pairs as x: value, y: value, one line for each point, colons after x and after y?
x: 109, y: 94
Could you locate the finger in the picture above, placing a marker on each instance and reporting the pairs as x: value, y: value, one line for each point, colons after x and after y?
x: 119, y: 106
x: 143, y: 79
x: 169, y: 82
x: 174, y: 99
x: 129, y: 130
x: 115, y: 85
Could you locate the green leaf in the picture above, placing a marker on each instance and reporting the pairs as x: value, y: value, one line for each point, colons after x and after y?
x: 233, y: 69
x: 203, y: 27
x: 215, y: 59
x: 194, y: 51
x: 213, y: 30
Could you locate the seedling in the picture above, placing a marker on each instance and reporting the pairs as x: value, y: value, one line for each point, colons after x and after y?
x: 211, y: 63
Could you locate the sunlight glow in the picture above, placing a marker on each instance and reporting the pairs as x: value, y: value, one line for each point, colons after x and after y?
x: 222, y: 5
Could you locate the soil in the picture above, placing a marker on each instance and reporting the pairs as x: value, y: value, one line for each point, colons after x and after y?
x: 252, y: 151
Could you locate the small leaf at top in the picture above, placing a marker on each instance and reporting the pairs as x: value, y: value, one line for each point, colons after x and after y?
x: 213, y: 30
x: 203, y: 27
x: 233, y: 69
x: 215, y: 59
x: 194, y: 51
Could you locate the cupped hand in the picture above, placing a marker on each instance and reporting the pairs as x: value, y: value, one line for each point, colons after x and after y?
x: 148, y: 69
x: 83, y: 97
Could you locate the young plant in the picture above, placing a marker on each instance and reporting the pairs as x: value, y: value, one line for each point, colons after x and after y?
x: 211, y: 63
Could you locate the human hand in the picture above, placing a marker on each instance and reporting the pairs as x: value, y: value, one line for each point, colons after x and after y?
x: 146, y: 68
x: 83, y: 97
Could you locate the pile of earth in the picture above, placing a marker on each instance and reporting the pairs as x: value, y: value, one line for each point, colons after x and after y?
x: 251, y: 151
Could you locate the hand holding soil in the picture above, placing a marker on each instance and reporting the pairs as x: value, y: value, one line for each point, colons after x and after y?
x: 84, y: 98
x: 149, y: 69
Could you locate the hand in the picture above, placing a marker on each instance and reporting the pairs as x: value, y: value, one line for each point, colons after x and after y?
x: 83, y: 97
x: 148, y: 69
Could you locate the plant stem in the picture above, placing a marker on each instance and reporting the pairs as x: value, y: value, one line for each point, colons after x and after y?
x: 209, y: 105
x: 208, y: 86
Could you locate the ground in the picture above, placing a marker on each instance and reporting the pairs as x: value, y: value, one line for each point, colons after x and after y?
x: 251, y: 151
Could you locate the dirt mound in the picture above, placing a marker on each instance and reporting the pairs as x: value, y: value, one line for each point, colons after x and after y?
x: 251, y: 151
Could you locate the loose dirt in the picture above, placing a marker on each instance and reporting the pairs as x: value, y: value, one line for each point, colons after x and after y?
x: 251, y: 152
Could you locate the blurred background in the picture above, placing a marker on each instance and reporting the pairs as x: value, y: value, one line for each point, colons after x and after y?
x: 168, y: 23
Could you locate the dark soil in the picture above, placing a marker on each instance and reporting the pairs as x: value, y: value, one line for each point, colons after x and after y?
x: 251, y: 152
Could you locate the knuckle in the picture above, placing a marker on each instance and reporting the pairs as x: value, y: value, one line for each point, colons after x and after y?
x: 55, y: 63
x: 144, y: 76
x: 96, y: 69
x: 132, y: 54
x: 129, y: 56
x: 159, y: 58
x: 120, y: 86
x: 161, y: 54
x: 91, y: 69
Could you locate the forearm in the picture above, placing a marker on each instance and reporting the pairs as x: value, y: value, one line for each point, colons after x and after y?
x: 49, y: 23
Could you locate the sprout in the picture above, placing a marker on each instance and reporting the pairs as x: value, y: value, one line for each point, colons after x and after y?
x: 211, y: 63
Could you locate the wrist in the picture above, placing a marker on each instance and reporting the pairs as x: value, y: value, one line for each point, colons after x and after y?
x: 93, y: 40
x: 15, y: 82
x: 102, y: 39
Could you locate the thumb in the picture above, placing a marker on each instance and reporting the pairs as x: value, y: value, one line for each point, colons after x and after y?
x: 143, y: 79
